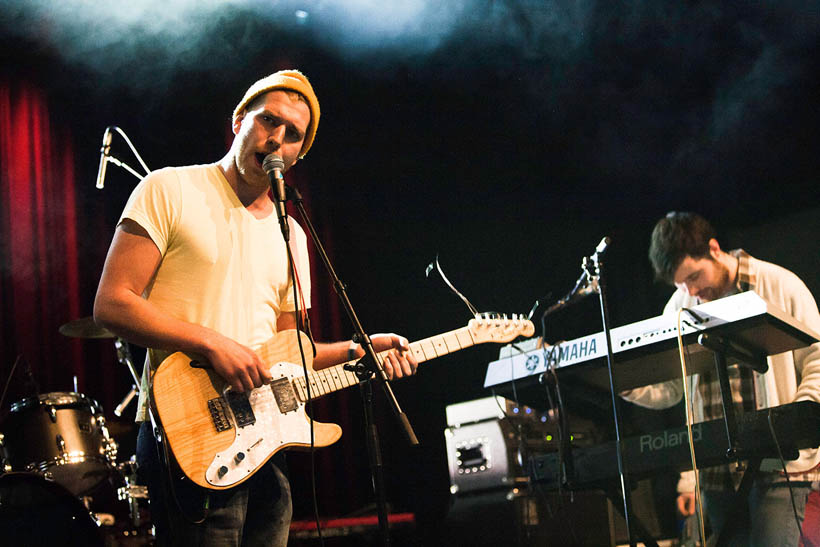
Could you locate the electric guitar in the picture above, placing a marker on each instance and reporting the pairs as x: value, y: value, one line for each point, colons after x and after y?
x: 221, y: 438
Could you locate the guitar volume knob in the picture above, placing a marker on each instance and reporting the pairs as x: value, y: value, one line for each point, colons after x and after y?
x: 222, y: 471
x: 239, y: 457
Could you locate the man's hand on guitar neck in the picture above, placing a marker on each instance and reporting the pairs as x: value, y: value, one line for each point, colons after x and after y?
x: 400, y: 361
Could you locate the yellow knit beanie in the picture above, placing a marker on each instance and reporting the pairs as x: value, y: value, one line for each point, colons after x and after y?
x: 292, y: 80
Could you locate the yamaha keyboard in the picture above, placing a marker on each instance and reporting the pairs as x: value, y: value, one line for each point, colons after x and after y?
x: 646, y: 352
x: 797, y: 425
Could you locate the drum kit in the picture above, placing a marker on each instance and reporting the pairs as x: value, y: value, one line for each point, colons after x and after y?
x: 60, y: 482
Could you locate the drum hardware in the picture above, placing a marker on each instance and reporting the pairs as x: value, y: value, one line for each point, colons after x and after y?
x: 126, y: 401
x: 131, y: 493
x: 124, y: 357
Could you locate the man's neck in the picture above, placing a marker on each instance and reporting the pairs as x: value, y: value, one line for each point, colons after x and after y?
x: 255, y: 200
x: 731, y: 263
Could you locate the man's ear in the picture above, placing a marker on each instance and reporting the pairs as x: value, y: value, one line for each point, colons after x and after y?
x: 714, y: 248
x: 237, y: 123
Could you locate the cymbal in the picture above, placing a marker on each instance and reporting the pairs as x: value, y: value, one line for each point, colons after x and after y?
x: 85, y: 327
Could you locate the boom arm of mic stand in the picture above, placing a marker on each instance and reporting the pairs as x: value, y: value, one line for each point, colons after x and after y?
x: 118, y: 163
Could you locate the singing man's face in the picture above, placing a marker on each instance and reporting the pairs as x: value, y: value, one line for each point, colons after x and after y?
x: 276, y: 122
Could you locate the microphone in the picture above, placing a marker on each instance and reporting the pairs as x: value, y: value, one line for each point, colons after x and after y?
x: 586, y: 284
x: 104, y: 152
x: 601, y: 248
x: 273, y: 165
x: 580, y: 292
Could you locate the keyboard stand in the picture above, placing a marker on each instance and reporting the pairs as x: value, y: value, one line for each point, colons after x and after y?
x: 722, y: 346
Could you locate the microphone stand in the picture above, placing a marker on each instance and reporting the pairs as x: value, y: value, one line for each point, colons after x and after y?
x: 594, y: 268
x: 366, y: 369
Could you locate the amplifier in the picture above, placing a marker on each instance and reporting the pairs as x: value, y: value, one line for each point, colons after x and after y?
x: 490, y: 440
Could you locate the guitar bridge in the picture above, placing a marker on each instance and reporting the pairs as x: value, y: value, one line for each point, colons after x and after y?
x: 284, y: 394
x: 219, y: 414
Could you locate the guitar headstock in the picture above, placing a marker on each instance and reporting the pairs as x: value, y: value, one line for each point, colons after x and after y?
x: 499, y: 328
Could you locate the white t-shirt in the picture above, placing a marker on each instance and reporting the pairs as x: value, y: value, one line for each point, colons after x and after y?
x: 221, y: 267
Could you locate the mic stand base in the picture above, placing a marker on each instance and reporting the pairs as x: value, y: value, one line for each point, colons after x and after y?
x: 376, y: 462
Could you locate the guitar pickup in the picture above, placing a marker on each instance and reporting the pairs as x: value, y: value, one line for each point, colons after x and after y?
x: 241, y: 407
x: 284, y: 395
x: 219, y: 414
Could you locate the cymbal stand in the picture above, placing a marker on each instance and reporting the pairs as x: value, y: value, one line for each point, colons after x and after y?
x: 124, y: 357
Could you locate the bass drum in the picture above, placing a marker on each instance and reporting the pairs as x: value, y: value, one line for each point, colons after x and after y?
x: 63, y: 436
x: 37, y: 511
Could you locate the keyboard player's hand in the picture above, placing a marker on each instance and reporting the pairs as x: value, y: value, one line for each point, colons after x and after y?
x: 686, y: 504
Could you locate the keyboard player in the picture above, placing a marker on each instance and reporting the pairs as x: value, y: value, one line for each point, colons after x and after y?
x: 684, y: 252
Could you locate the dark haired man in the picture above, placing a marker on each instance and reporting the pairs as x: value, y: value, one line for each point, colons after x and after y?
x: 684, y: 252
x: 198, y: 264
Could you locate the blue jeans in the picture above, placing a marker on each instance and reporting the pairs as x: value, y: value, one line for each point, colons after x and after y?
x: 256, y: 512
x: 766, y: 516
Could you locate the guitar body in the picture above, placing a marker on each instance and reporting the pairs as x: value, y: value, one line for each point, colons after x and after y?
x: 219, y: 444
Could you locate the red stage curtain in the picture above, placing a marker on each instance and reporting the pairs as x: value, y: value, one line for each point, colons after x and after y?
x: 38, y: 242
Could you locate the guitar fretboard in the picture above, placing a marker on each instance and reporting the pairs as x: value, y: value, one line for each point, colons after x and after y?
x: 336, y: 377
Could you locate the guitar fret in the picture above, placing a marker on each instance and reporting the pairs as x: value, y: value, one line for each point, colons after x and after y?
x: 314, y: 387
x: 316, y: 378
x: 337, y: 380
x: 299, y: 386
x: 428, y: 349
x: 343, y: 377
x: 440, y: 346
x: 325, y: 383
x: 331, y: 383
x: 464, y: 337
x: 451, y: 340
x: 351, y: 378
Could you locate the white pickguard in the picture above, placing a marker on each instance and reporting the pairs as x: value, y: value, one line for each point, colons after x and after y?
x: 271, y: 432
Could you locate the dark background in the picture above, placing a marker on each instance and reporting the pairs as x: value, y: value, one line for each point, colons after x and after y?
x: 506, y: 138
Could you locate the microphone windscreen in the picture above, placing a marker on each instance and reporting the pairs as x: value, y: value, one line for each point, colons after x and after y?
x: 273, y: 161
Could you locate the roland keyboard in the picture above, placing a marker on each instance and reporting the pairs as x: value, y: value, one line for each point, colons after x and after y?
x: 646, y: 352
x: 796, y: 425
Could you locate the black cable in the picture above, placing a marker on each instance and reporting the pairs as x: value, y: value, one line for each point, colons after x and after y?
x: 552, y: 359
x: 309, y: 402
x: 786, y: 474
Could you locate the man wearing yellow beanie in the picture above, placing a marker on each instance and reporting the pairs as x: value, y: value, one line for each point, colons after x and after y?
x: 198, y: 264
